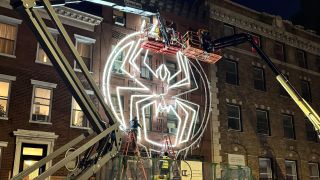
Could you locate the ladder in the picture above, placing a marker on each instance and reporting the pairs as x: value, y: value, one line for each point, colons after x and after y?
x: 168, y: 148
x: 131, y: 139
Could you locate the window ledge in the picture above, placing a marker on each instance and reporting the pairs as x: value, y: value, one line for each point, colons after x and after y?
x: 79, y: 127
x: 79, y: 70
x: 4, y: 118
x: 39, y: 122
x: 40, y: 62
x: 235, y: 130
x: 8, y: 55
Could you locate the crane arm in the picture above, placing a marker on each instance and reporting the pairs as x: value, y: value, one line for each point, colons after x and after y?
x: 237, y: 39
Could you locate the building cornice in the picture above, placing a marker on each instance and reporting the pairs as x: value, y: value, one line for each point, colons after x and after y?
x: 68, y: 16
x: 258, y: 27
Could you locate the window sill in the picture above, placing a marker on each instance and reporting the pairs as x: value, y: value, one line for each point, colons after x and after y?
x: 4, y: 118
x: 8, y: 55
x: 235, y: 130
x: 79, y: 127
x: 40, y: 62
x: 39, y: 122
x: 79, y: 70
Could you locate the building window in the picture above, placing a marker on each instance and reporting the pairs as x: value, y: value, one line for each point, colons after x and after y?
x: 116, y: 68
x: 288, y: 126
x: 31, y: 154
x: 256, y: 40
x: 148, y: 116
x: 305, y: 90
x: 282, y: 91
x: 291, y: 170
x: 231, y: 72
x: 263, y: 122
x: 8, y: 37
x: 259, y: 79
x: 310, y: 131
x: 172, y: 67
x: 84, y: 46
x: 234, y: 117
x: 265, y: 168
x: 4, y: 98
x: 172, y: 122
x: 41, y: 101
x: 314, y: 171
x: 41, y: 55
x: 116, y: 105
x: 301, y: 58
x: 228, y: 30
x: 3, y: 145
x: 278, y: 50
x: 147, y: 20
x: 78, y: 119
x: 145, y: 63
x: 119, y: 18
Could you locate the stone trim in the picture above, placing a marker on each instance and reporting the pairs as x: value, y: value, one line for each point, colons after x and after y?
x: 10, y: 20
x: 3, y: 144
x: 305, y: 78
x: 238, y: 20
x: 44, y: 84
x: 287, y: 111
x: 84, y: 39
x: 258, y: 64
x: 262, y: 107
x: 8, y: 77
x: 233, y: 101
x: 230, y: 56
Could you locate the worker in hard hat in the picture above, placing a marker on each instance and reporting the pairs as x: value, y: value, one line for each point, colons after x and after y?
x: 164, y: 165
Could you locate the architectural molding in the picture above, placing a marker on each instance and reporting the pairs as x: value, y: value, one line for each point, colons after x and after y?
x: 10, y: 20
x: 44, y: 84
x: 8, y: 77
x: 3, y: 144
x: 271, y: 31
x: 84, y: 38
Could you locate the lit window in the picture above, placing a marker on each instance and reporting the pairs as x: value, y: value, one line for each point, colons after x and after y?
x: 172, y: 67
x: 231, y: 72
x: 4, y: 98
x: 84, y: 46
x: 278, y: 50
x: 291, y: 170
x: 41, y: 104
x: 310, y: 131
x: 8, y: 37
x: 228, y: 30
x: 78, y: 119
x: 145, y: 72
x: 265, y: 169
x: 288, y: 126
x: 31, y: 154
x: 234, y: 117
x: 116, y: 68
x: 314, y: 171
x: 305, y: 90
x: 263, y: 122
x: 41, y: 55
x: 172, y: 122
x: 258, y: 79
x: 119, y: 18
x: 302, y: 61
x: 147, y: 20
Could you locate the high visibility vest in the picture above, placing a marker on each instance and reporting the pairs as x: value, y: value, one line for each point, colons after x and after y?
x: 165, y: 163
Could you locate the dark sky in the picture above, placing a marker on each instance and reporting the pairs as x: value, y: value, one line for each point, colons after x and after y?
x: 285, y: 8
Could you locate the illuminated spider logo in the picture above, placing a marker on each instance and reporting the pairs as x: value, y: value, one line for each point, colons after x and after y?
x: 189, y: 125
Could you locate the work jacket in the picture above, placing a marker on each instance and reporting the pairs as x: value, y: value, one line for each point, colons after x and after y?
x: 165, y: 162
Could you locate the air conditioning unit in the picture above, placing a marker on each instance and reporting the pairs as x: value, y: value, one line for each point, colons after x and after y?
x: 173, y: 130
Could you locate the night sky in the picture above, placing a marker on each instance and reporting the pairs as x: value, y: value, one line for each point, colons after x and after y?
x: 284, y: 8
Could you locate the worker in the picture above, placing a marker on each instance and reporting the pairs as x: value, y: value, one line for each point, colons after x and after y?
x: 164, y: 165
x: 134, y: 125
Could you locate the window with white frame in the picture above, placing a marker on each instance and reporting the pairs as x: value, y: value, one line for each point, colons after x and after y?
x: 116, y: 68
x: 263, y: 126
x: 41, y: 55
x: 41, y: 101
x: 291, y: 170
x: 265, y: 169
x: 145, y: 72
x: 4, y: 98
x: 314, y: 171
x: 119, y: 18
x: 84, y: 46
x: 78, y: 119
x: 234, y: 117
x: 8, y: 35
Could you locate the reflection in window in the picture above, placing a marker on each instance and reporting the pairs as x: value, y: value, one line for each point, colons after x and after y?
x: 85, y: 50
x: 4, y: 98
x: 8, y: 37
x: 41, y: 55
x: 78, y: 118
x: 41, y: 104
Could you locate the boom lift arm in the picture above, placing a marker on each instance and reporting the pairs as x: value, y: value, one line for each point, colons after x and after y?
x: 303, y: 105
